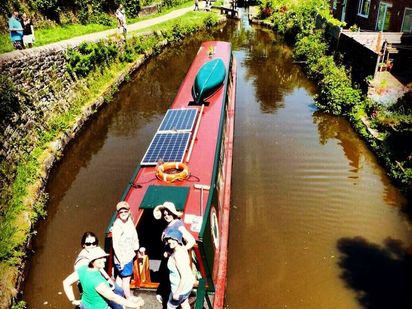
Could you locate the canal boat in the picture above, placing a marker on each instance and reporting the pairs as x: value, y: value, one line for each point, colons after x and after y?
x: 189, y: 163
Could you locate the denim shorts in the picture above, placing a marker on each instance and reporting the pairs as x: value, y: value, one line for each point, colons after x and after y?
x: 173, y: 303
x: 126, y: 271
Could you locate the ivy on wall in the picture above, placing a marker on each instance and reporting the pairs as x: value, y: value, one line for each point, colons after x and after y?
x: 9, y: 102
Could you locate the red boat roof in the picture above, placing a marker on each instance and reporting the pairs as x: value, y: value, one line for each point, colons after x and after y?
x: 202, y: 159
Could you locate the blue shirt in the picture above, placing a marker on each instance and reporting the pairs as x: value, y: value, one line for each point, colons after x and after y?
x: 16, y: 29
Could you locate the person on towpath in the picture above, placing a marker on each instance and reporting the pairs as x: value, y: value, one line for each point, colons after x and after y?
x: 121, y: 19
x: 16, y: 31
x: 28, y: 31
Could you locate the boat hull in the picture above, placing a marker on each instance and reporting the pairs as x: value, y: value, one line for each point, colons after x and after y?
x: 204, y: 197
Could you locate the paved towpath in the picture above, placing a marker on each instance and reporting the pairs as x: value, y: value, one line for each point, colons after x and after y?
x: 97, y: 35
x: 132, y: 27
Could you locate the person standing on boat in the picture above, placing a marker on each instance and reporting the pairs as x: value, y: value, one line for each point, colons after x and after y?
x: 96, y: 289
x: 125, y: 245
x: 180, y: 273
x: 88, y: 242
x: 172, y: 218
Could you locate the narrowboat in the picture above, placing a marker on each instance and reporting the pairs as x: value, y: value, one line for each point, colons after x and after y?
x: 189, y: 163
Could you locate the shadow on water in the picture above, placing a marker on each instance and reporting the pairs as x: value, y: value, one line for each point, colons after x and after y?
x: 377, y: 273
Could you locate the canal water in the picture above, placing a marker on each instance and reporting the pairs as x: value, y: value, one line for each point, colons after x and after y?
x: 315, y: 222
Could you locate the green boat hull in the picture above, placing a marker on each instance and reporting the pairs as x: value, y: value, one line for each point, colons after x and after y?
x: 208, y: 79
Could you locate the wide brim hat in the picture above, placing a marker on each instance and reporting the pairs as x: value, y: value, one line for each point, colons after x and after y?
x: 122, y: 205
x: 157, y: 212
x: 174, y: 234
x: 96, y: 253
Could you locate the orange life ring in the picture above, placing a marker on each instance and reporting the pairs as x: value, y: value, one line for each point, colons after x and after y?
x: 162, y: 171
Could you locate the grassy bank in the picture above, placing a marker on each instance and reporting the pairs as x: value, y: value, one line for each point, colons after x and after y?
x: 23, y: 203
x: 338, y: 94
x: 56, y: 33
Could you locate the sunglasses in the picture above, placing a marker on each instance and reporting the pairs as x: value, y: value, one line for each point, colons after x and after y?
x: 166, y: 213
x: 94, y: 243
x: 123, y: 211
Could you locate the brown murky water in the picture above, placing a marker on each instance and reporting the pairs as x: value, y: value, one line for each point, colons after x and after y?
x: 315, y: 223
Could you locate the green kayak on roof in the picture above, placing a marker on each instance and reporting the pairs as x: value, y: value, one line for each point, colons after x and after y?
x: 208, y: 79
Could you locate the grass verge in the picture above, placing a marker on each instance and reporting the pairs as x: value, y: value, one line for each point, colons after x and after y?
x: 64, y: 32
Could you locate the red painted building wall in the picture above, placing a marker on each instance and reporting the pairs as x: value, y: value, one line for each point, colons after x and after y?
x: 369, y: 22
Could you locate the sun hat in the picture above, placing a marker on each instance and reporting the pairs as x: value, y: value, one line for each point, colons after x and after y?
x: 174, y: 234
x: 157, y: 212
x: 122, y: 205
x: 96, y: 253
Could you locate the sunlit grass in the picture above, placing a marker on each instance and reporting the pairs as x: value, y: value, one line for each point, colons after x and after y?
x: 65, y: 32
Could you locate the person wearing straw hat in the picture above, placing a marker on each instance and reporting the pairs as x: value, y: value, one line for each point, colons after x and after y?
x: 89, y: 241
x: 125, y: 244
x: 180, y: 273
x: 96, y: 289
x: 171, y: 216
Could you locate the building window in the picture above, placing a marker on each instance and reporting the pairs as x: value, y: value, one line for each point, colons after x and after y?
x: 364, y: 6
x: 335, y: 4
x: 407, y: 20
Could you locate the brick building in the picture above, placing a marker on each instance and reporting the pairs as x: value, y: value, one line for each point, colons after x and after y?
x: 375, y: 15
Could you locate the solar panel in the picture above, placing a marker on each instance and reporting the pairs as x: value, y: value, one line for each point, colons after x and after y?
x: 166, y: 147
x: 179, y: 120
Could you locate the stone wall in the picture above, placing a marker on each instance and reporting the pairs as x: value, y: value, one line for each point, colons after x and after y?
x: 150, y: 9
x: 41, y: 77
x: 40, y: 74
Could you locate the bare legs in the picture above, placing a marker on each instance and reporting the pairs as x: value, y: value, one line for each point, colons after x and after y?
x: 126, y: 287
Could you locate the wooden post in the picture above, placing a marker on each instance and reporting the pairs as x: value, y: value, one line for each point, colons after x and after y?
x: 379, y: 42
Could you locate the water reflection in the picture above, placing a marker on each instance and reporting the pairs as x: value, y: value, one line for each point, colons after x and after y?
x: 381, y: 276
x: 331, y: 128
x: 302, y: 182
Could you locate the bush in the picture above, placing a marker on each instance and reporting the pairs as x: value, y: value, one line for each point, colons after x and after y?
x: 102, y: 19
x: 210, y: 21
x: 132, y: 7
x: 172, y: 3
x: 336, y: 93
x: 127, y: 55
x: 291, y: 18
x: 88, y: 56
x: 310, y: 48
x: 178, y: 31
x: 146, y: 2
